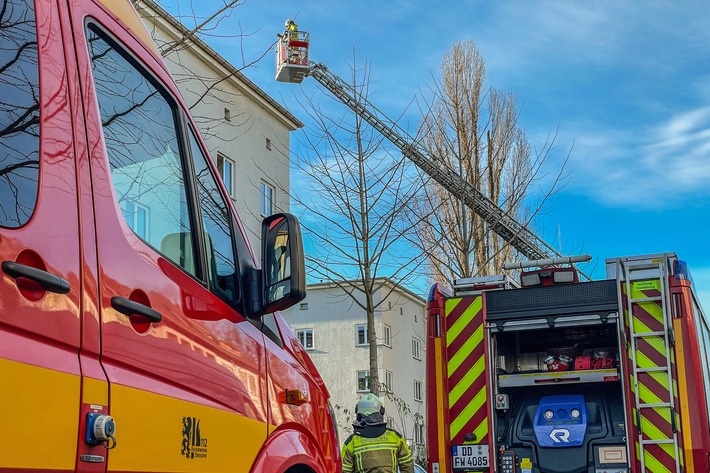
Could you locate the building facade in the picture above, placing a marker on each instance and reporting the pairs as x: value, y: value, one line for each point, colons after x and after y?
x: 333, y: 329
x: 246, y: 131
x: 247, y: 134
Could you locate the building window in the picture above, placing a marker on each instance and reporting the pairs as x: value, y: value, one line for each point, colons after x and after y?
x: 360, y: 335
x: 417, y: 390
x: 267, y: 199
x: 401, y: 311
x: 416, y: 349
x: 304, y: 306
x: 136, y: 216
x: 268, y: 144
x: 226, y: 172
x: 363, y: 381
x: 388, y: 381
x: 419, y: 434
x: 305, y: 336
x: 227, y: 114
x: 388, y: 335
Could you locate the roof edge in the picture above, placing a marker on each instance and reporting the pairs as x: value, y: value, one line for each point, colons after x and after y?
x: 292, y: 122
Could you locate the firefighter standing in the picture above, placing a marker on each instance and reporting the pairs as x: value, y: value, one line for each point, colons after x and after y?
x: 373, y: 448
x: 292, y: 28
x: 290, y: 36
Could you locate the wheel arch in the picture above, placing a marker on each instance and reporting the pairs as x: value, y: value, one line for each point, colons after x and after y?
x: 290, y: 451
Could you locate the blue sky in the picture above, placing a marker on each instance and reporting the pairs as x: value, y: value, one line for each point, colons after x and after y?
x: 626, y: 86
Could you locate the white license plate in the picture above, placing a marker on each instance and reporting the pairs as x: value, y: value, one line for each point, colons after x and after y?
x: 469, y: 457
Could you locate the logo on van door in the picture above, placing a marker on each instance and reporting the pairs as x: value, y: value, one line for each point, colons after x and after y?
x: 193, y: 444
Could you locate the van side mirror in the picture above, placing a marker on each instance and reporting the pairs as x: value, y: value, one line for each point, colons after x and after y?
x: 283, y: 273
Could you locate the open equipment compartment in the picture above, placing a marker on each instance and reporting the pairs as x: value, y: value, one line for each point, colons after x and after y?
x: 558, y: 398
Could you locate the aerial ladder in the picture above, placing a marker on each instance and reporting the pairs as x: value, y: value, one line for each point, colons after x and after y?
x: 293, y: 65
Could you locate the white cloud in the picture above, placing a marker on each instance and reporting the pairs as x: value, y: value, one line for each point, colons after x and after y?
x: 528, y: 34
x: 684, y: 147
x: 648, y: 167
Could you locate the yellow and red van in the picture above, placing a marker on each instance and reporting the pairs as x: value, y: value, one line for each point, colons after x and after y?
x: 138, y: 331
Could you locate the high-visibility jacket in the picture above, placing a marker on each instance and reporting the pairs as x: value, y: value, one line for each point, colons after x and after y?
x: 381, y: 454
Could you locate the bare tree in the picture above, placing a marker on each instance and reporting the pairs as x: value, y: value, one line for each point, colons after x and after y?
x: 222, y: 100
x: 202, y: 86
x: 354, y: 196
x: 477, y: 134
x: 19, y: 114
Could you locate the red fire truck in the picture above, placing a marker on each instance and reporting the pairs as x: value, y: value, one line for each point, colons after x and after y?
x: 556, y: 375
x: 552, y: 374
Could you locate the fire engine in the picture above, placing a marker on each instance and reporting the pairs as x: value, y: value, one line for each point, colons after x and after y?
x: 552, y: 374
x: 555, y: 373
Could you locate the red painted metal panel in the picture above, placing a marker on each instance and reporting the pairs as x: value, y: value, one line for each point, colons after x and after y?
x: 690, y: 378
x: 38, y: 327
x: 437, y: 400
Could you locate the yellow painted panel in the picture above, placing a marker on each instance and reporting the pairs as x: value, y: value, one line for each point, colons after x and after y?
x: 95, y: 392
x: 468, y: 412
x: 658, y: 344
x: 638, y: 286
x: 450, y: 305
x: 152, y: 435
x: 468, y: 315
x: 651, y: 430
x: 653, y: 310
x: 654, y: 466
x: 481, y: 432
x: 465, y: 350
x: 462, y: 387
x: 647, y: 396
x: 39, y: 417
x: 650, y: 463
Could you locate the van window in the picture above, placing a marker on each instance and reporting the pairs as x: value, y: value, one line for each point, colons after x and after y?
x: 140, y: 132
x: 19, y: 113
x: 221, y: 268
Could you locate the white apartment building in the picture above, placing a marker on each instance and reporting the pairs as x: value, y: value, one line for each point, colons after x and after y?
x: 246, y: 131
x: 333, y: 329
x: 247, y: 134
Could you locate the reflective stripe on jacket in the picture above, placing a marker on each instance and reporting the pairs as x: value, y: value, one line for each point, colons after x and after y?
x: 381, y: 454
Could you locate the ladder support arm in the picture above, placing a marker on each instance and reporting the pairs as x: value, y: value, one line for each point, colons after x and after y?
x: 518, y: 236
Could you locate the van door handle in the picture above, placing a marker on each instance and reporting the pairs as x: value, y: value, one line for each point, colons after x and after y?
x: 131, y: 308
x: 49, y: 282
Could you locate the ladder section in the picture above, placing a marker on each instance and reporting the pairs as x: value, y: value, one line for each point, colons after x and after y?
x: 650, y: 348
x: 517, y: 235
